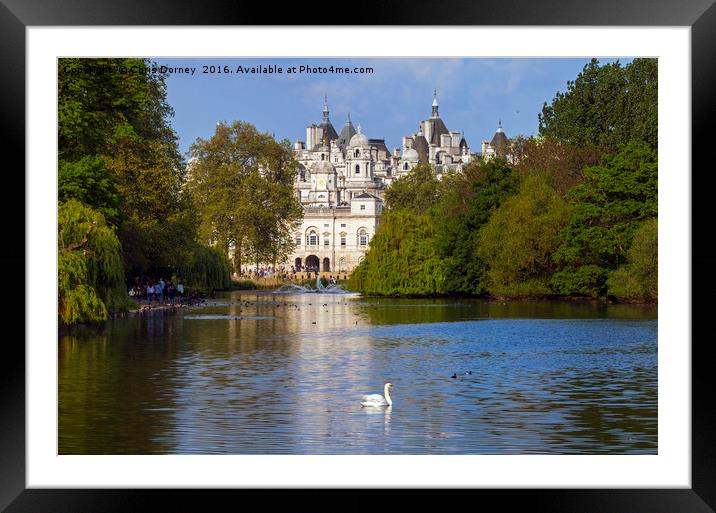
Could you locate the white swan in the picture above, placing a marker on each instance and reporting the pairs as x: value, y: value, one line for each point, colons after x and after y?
x: 377, y: 399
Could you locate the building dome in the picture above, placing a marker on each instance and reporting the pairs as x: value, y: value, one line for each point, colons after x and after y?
x: 359, y: 141
x: 324, y: 167
x: 411, y: 155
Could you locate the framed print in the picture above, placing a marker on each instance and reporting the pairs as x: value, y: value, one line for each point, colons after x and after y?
x: 436, y: 261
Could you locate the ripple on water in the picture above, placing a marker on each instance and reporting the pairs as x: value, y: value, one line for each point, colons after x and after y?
x: 228, y: 317
x: 286, y: 386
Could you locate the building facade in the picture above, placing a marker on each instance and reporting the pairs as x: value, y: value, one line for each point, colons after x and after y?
x: 446, y: 150
x: 341, y: 180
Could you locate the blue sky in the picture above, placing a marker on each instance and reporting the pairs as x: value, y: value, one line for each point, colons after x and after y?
x: 473, y: 95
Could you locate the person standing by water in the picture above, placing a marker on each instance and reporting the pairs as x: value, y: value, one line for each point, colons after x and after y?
x: 180, y: 290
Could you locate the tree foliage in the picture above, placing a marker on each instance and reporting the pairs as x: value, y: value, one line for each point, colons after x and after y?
x: 242, y: 183
x: 426, y: 242
x: 89, y: 181
x: 403, y: 259
x: 607, y: 208
x: 518, y: 241
x: 207, y: 269
x: 90, y: 272
x: 467, y: 201
x: 103, y: 108
x: 638, y: 278
x: 560, y: 164
x: 607, y: 106
x: 119, y: 155
x: 417, y: 191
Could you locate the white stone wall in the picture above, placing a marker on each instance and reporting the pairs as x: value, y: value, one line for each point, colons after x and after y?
x: 334, y: 225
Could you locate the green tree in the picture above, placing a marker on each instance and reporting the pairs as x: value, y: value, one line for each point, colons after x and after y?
x: 88, y: 181
x: 102, y: 107
x: 467, y: 200
x: 417, y: 191
x: 638, y: 278
x: 606, y: 105
x: 242, y: 183
x: 117, y: 151
x: 90, y: 277
x: 517, y: 242
x: 207, y: 269
x: 607, y: 208
x: 426, y: 242
x: 402, y: 259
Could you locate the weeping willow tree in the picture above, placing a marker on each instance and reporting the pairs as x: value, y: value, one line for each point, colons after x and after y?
x: 90, y: 269
x: 402, y: 260
x: 207, y: 269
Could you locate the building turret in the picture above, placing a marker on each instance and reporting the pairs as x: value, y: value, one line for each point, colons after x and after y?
x: 359, y: 163
x: 348, y: 131
x: 326, y: 132
x: 325, y: 109
x: 499, y: 142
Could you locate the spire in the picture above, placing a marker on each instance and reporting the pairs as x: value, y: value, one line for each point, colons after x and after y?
x: 359, y: 129
x: 348, y: 121
x: 435, y: 104
x: 325, y: 108
x: 499, y: 126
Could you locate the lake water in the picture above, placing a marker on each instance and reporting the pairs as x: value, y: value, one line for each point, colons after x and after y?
x: 259, y: 373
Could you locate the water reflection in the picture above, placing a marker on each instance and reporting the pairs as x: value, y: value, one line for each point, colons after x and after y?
x: 254, y: 373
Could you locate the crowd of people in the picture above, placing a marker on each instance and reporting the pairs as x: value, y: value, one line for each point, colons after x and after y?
x: 284, y: 274
x: 159, y: 291
x: 262, y: 272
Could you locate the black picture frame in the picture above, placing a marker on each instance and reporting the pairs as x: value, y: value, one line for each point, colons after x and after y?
x: 700, y: 15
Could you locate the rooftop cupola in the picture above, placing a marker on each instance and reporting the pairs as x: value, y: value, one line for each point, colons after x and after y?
x: 359, y: 140
x: 435, y: 104
x: 325, y: 109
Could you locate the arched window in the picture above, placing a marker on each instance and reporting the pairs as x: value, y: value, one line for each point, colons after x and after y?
x: 362, y: 237
x: 323, y: 156
x: 357, y: 154
x: 357, y: 169
x: 405, y: 166
x: 312, y: 238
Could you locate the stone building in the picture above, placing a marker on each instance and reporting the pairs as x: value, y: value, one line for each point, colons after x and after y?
x: 342, y: 178
x: 434, y: 144
x: 340, y: 184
